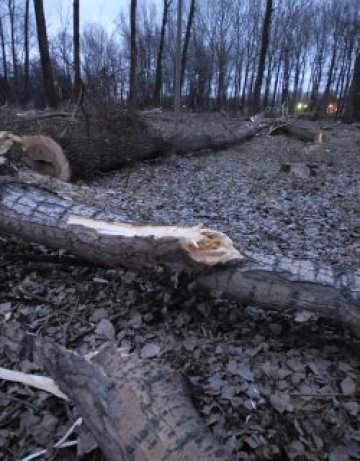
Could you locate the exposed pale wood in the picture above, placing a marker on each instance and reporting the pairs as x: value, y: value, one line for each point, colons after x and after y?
x: 209, y: 257
x: 128, y: 404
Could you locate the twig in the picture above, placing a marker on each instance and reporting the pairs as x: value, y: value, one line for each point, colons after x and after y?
x: 4, y: 396
x: 62, y: 443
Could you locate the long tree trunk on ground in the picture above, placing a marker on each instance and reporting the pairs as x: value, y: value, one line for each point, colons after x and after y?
x: 133, y: 55
x: 158, y: 73
x: 214, y: 266
x: 26, y: 51
x: 70, y: 157
x: 352, y: 107
x: 256, y: 95
x: 44, y: 54
x: 187, y: 41
x: 76, y: 35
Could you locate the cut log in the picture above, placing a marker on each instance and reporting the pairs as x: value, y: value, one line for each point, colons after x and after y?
x: 207, y: 256
x: 128, y: 404
x: 302, y: 132
x: 86, y: 147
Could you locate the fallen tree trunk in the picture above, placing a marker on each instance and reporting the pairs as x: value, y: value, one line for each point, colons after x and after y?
x: 128, y: 404
x: 208, y: 257
x: 104, y: 145
x: 302, y: 132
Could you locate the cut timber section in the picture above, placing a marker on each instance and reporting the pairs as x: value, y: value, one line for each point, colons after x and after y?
x: 128, y: 404
x: 204, y: 246
x: 207, y: 257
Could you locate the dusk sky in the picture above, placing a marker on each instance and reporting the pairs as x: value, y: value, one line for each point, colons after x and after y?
x: 105, y: 12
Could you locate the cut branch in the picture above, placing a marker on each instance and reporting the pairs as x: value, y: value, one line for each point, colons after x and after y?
x: 207, y: 256
x: 128, y: 404
x: 302, y: 132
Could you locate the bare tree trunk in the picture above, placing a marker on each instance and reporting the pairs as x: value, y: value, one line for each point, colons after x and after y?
x: 44, y: 54
x: 11, y: 7
x: 352, y: 107
x: 330, y: 76
x: 26, y: 50
x: 3, y: 50
x: 76, y: 26
x: 187, y: 41
x: 158, y: 74
x: 133, y: 56
x: 255, y: 103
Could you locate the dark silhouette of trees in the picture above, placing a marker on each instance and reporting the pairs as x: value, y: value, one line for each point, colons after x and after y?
x: 255, y: 103
x: 187, y: 41
x: 44, y: 54
x: 26, y: 51
x: 76, y: 41
x: 133, y: 55
x: 352, y: 107
x: 159, y: 60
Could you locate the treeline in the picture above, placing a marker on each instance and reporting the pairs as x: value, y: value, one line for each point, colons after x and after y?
x: 310, y: 54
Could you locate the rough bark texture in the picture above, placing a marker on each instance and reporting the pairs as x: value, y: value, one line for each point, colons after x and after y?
x: 187, y: 41
x: 159, y: 59
x: 44, y: 54
x: 352, y: 108
x: 133, y: 54
x: 274, y: 283
x: 302, y: 132
x: 26, y: 51
x: 127, y: 403
x: 255, y: 103
x: 76, y: 27
x: 118, y: 139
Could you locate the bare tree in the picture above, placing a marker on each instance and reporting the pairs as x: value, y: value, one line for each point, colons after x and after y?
x: 12, y: 19
x: 255, y: 103
x: 352, y: 107
x: 133, y: 54
x: 158, y: 74
x: 187, y: 40
x: 26, y: 50
x: 76, y: 38
x: 44, y: 54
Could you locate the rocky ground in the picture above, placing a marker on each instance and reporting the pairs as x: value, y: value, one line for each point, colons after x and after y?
x: 268, y: 385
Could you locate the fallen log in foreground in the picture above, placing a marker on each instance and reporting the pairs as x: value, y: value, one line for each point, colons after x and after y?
x: 208, y: 257
x: 128, y: 404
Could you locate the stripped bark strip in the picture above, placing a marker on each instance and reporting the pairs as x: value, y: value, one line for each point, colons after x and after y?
x: 208, y: 257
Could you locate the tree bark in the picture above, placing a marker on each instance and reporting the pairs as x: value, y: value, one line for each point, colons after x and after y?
x: 130, y: 140
x: 44, y: 54
x: 208, y: 257
x: 4, y: 97
x: 76, y: 35
x: 302, y: 132
x: 133, y: 55
x: 11, y: 8
x: 158, y: 73
x: 26, y: 51
x: 255, y: 103
x: 352, y: 107
x: 187, y: 41
x: 128, y: 404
